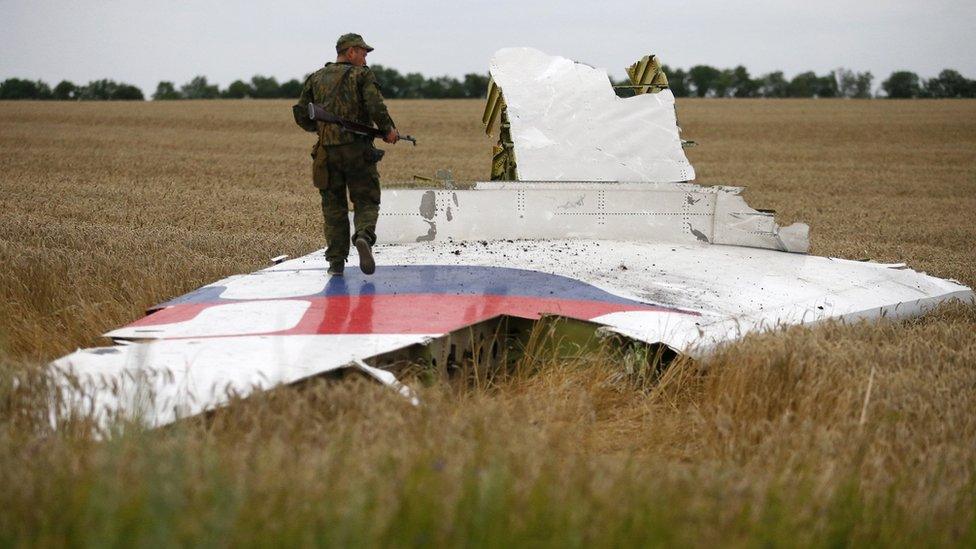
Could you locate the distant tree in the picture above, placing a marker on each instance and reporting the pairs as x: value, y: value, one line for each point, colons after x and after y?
x: 773, y: 84
x: 44, y: 91
x: 109, y: 90
x: 902, y: 85
x: 863, y: 88
x: 742, y: 85
x: 430, y: 89
x: 16, y: 88
x: 199, y: 88
x: 65, y: 90
x: 846, y: 81
x: 827, y: 86
x: 475, y: 85
x: 703, y: 79
x: 453, y: 88
x: 166, y: 91
x: 677, y: 81
x: 291, y: 89
x: 265, y: 87
x: 127, y: 92
x: 804, y: 84
x: 442, y: 87
x: 98, y: 90
x: 853, y: 84
x: 949, y: 84
x: 413, y: 85
x: 238, y: 89
x: 723, y: 85
x: 391, y: 82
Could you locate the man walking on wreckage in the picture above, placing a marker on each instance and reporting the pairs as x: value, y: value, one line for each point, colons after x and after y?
x: 344, y: 160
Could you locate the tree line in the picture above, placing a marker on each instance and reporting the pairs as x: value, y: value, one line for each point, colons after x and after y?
x: 395, y: 86
x: 708, y: 81
x: 96, y: 90
x: 698, y: 81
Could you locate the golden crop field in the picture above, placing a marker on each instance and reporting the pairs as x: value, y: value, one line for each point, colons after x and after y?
x: 835, y: 435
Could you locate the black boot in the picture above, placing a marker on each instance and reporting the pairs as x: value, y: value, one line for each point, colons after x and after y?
x: 336, y: 267
x: 366, y: 262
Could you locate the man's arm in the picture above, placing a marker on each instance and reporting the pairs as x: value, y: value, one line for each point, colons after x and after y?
x: 376, y: 108
x: 300, y: 110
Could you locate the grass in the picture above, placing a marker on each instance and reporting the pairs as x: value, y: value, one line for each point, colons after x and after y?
x: 840, y: 435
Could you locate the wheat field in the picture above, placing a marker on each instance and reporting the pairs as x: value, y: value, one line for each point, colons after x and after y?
x: 838, y: 435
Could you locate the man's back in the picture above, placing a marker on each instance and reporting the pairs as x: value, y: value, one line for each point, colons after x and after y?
x: 347, y: 91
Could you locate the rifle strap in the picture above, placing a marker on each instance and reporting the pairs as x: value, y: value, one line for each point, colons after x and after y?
x: 332, y: 93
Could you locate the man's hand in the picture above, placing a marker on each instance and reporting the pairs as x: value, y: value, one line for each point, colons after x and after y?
x: 392, y: 136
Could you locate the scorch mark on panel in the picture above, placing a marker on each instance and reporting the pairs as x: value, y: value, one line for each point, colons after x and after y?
x: 428, y: 208
x: 431, y: 232
x: 573, y: 204
x: 698, y: 234
x: 428, y: 205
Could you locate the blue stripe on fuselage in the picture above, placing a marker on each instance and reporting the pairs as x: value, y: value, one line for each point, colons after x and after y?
x: 439, y: 279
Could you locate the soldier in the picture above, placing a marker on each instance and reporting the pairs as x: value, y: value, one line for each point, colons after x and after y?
x: 342, y: 160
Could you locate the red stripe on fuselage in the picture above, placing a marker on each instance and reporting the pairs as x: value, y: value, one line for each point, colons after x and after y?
x: 434, y: 314
x: 413, y: 314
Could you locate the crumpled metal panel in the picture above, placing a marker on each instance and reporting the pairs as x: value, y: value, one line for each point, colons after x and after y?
x: 567, y: 124
x: 157, y: 381
x: 292, y: 321
x: 647, y: 212
x: 706, y: 295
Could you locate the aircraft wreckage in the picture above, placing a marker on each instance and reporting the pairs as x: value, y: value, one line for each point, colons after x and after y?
x: 590, y: 218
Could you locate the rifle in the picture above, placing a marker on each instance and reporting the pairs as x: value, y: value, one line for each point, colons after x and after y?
x: 317, y: 113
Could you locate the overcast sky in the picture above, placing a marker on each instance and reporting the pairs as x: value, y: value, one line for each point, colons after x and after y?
x: 145, y: 42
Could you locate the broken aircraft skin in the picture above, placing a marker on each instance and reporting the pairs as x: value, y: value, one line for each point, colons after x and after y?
x: 604, y: 230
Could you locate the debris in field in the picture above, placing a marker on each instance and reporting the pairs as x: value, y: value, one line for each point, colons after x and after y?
x: 567, y: 123
x: 288, y: 322
x: 388, y: 379
x: 609, y: 180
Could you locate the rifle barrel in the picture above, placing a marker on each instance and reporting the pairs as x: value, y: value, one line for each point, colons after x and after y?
x: 315, y: 112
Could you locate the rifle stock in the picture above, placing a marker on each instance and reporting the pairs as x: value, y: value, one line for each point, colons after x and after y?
x: 317, y: 113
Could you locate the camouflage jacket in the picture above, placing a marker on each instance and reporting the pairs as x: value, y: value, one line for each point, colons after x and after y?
x: 347, y: 91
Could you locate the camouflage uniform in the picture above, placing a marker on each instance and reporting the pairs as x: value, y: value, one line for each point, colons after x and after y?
x: 343, y: 160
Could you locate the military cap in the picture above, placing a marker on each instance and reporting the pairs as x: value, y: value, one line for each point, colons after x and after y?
x: 350, y: 40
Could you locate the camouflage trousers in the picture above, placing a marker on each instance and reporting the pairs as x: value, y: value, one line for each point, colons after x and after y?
x: 337, y: 169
